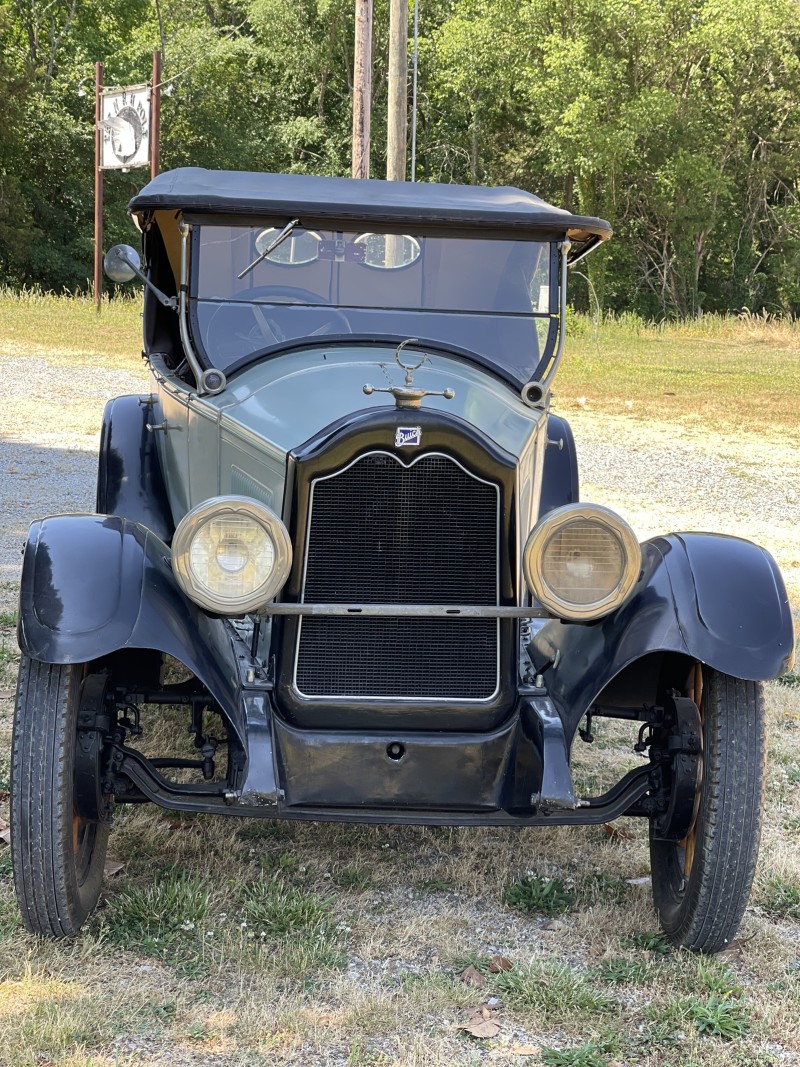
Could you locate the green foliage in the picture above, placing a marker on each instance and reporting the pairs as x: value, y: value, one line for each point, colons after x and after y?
x: 652, y: 942
x: 625, y: 972
x: 590, y: 1054
x: 546, y: 895
x: 719, y: 1016
x: 354, y: 878
x: 676, y: 120
x: 171, y: 902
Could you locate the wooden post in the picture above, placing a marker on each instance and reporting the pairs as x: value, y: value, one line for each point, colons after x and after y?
x: 98, y: 188
x: 397, y: 125
x: 415, y: 72
x: 155, y: 115
x: 362, y: 89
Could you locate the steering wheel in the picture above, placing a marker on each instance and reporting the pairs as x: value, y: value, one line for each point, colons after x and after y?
x: 227, y: 321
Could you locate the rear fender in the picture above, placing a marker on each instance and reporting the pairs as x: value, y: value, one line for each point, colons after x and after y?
x: 96, y: 584
x: 720, y: 600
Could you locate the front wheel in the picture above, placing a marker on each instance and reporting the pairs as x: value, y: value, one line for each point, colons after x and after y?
x: 701, y: 884
x: 58, y: 854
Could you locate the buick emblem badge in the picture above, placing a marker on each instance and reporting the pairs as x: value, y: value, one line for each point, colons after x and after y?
x: 407, y: 435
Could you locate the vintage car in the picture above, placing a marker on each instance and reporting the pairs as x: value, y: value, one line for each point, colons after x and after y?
x: 347, y: 512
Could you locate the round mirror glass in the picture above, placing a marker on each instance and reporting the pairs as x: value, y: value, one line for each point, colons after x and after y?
x: 119, y: 262
x: 389, y: 251
x: 301, y: 246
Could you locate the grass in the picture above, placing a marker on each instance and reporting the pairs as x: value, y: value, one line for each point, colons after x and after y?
x: 69, y: 329
x: 244, y: 943
x: 709, y: 373
x: 548, y: 896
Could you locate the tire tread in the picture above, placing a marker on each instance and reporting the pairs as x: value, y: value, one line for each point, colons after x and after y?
x: 707, y: 915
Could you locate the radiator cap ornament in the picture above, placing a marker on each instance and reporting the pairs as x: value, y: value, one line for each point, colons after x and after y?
x: 407, y: 396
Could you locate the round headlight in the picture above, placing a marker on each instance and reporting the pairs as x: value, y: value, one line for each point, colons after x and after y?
x: 231, y: 555
x: 582, y: 561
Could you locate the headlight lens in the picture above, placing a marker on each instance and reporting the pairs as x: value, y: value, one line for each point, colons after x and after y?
x: 582, y: 561
x: 231, y: 555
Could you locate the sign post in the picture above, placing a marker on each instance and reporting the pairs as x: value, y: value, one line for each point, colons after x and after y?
x: 155, y: 115
x: 98, y: 189
x: 126, y: 136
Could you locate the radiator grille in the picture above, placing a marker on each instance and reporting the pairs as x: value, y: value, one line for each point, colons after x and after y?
x: 380, y: 532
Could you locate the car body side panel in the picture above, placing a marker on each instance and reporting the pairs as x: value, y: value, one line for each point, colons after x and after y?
x: 129, y: 478
x: 718, y: 599
x: 96, y: 584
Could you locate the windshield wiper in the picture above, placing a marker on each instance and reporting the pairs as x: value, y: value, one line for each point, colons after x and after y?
x: 285, y: 232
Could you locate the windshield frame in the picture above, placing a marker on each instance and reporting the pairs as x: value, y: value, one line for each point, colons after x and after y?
x: 515, y: 374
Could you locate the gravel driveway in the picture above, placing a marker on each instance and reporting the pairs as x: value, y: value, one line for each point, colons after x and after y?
x: 48, y: 446
x: 659, y: 476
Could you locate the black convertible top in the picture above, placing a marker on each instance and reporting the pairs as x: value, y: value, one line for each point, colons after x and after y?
x: 470, y: 207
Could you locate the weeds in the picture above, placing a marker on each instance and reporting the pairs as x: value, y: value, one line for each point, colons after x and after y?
x: 652, y: 941
x: 165, y: 919
x: 719, y: 1016
x: 625, y: 972
x: 277, y: 908
x: 781, y: 899
x: 354, y: 878
x: 590, y: 1054
x: 551, y: 990
x: 549, y: 896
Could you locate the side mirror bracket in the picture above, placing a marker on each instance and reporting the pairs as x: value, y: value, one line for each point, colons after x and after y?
x: 122, y: 264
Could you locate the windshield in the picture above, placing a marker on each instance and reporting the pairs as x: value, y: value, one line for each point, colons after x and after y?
x: 255, y: 288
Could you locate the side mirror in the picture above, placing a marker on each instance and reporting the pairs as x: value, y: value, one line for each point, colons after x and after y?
x: 121, y: 263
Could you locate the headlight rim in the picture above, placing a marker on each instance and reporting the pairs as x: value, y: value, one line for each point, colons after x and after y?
x: 215, y: 507
x: 540, y: 535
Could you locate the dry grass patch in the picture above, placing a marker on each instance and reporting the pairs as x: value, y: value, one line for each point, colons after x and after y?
x: 69, y: 330
x: 717, y: 373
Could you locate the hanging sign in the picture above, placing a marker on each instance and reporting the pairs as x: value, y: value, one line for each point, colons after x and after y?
x: 125, y: 128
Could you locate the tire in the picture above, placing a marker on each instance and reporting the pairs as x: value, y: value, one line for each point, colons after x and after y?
x: 701, y: 885
x: 57, y: 856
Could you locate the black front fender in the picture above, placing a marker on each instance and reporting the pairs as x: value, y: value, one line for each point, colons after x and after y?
x: 718, y: 599
x: 129, y: 478
x: 96, y: 584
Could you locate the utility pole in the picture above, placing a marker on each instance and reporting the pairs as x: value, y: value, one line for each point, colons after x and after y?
x: 397, y: 125
x: 362, y: 88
